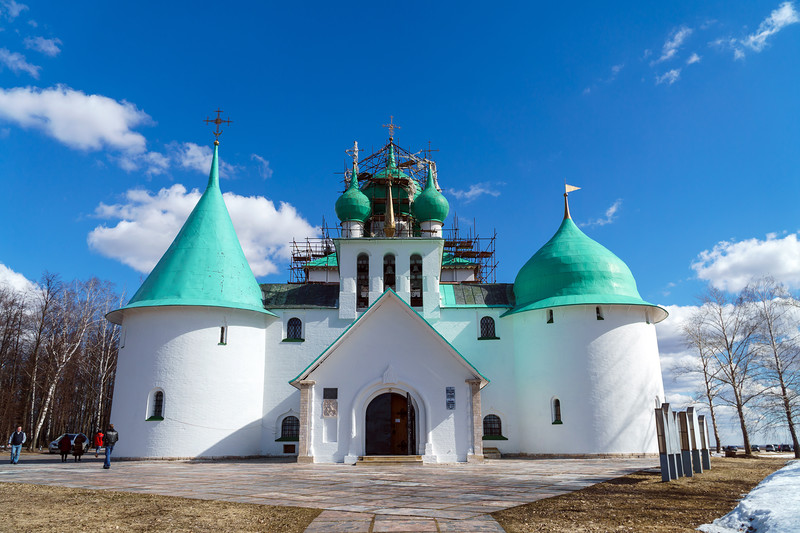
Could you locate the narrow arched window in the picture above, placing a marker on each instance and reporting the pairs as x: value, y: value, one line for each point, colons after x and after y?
x: 158, y: 404
x: 155, y: 405
x: 492, y: 426
x: 487, y: 328
x: 549, y: 316
x: 416, y: 280
x: 294, y: 329
x: 599, y: 313
x: 388, y: 272
x: 290, y: 428
x: 362, y: 281
x: 557, y: 411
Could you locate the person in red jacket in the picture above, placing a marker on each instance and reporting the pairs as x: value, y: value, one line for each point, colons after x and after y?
x: 98, y: 442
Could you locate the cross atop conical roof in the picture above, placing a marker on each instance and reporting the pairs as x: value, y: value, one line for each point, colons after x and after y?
x: 204, y: 265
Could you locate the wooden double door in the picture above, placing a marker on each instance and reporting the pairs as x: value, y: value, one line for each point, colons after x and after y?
x: 391, y: 425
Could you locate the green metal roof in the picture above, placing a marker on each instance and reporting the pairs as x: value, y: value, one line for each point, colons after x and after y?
x: 572, y: 269
x: 329, y: 261
x: 476, y: 295
x: 301, y: 295
x: 450, y: 260
x: 353, y: 204
x: 431, y: 204
x: 204, y: 265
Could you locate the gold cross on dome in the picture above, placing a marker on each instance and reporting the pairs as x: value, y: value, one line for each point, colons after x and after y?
x: 217, y: 121
x: 392, y: 126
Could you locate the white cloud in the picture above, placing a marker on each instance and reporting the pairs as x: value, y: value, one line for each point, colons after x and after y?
x: 669, y: 77
x: 731, y: 265
x: 74, y: 118
x: 775, y: 22
x: 784, y: 16
x: 694, y: 58
x: 15, y: 280
x: 610, y: 215
x: 146, y: 224
x: 17, y: 63
x: 13, y: 8
x: 263, y: 166
x: 48, y: 47
x: 673, y: 43
x: 475, y: 191
x: 195, y: 157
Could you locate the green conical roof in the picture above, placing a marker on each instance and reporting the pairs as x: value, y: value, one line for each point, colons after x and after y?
x: 353, y: 204
x: 204, y: 265
x: 431, y: 204
x: 572, y: 269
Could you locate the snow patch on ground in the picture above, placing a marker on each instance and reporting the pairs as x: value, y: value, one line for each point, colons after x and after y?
x: 773, y: 506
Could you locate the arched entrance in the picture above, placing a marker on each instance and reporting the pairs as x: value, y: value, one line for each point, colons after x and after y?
x: 391, y: 425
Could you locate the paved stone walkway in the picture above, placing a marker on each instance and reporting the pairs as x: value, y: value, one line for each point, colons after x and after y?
x: 456, y: 497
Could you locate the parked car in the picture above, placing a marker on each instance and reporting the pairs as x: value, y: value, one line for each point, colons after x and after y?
x: 53, y: 447
x: 786, y: 448
x: 769, y: 448
x: 755, y: 448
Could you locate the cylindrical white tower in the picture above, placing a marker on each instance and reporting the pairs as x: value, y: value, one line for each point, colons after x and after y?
x: 207, y: 366
x: 588, y: 375
x: 190, y: 372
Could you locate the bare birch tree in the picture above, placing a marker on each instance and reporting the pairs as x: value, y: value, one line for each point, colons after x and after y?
x: 778, y: 346
x: 728, y: 329
x: 74, y: 311
x: 705, y: 366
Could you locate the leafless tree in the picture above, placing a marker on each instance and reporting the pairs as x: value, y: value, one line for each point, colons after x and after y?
x: 729, y: 330
x: 705, y: 366
x: 74, y: 312
x: 778, y: 346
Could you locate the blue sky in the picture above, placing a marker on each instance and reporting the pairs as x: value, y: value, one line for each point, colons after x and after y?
x: 678, y: 120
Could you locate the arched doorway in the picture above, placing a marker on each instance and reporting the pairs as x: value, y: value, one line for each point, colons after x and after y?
x: 391, y: 425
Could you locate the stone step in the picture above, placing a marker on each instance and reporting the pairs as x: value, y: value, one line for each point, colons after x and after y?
x: 390, y: 460
x: 491, y: 453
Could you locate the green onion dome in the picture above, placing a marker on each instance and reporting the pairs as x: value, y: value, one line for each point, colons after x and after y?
x: 431, y: 205
x: 376, y: 189
x: 572, y: 269
x: 353, y: 205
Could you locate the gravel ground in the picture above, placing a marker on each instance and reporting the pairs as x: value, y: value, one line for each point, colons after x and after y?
x: 641, y: 502
x: 38, y: 508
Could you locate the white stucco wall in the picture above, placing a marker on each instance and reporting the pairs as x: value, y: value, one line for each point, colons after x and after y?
x: 494, y: 359
x: 606, y: 373
x: 391, y: 349
x: 285, y: 360
x: 212, y: 393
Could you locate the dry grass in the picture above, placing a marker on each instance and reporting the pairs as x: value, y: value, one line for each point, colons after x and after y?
x: 641, y: 502
x: 37, y: 508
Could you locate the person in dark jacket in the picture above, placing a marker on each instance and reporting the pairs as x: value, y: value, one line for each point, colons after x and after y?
x: 77, y: 447
x: 16, y: 440
x: 109, y: 440
x: 64, y: 446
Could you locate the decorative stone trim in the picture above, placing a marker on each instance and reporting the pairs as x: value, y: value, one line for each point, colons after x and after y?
x: 305, y: 419
x: 477, y: 422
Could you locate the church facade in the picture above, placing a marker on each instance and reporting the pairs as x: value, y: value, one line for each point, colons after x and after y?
x: 390, y: 345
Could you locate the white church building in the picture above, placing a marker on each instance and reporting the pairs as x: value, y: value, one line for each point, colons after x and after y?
x: 391, y: 344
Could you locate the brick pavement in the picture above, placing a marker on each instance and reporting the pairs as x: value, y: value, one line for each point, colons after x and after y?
x: 454, y: 497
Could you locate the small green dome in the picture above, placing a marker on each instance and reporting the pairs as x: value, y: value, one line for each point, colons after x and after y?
x: 431, y: 205
x: 353, y: 204
x: 572, y: 269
